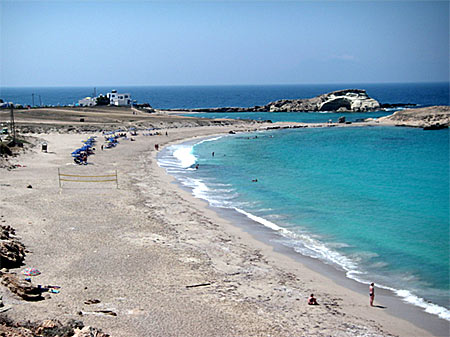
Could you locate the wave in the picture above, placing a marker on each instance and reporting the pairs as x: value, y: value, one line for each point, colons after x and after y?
x: 430, y: 308
x: 208, y: 140
x: 306, y: 244
x: 184, y: 155
x: 262, y: 221
x: 219, y: 184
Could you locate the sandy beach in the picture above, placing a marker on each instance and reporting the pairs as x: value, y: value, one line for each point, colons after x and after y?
x: 223, y: 168
x: 162, y: 263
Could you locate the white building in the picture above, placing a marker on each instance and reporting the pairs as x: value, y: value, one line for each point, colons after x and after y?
x: 87, y: 101
x: 118, y: 99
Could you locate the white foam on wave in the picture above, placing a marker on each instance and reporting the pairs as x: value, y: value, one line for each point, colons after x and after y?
x: 265, y: 210
x: 208, y: 140
x: 184, y: 154
x: 262, y: 221
x: 174, y: 170
x: 430, y: 308
x: 167, y: 162
x: 219, y: 184
x: 224, y: 190
x: 179, y: 160
x: 317, y: 249
x: 203, y: 191
x: 309, y: 246
x: 199, y: 189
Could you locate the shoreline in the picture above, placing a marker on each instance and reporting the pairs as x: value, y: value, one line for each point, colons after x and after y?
x: 401, y: 309
x: 151, y: 224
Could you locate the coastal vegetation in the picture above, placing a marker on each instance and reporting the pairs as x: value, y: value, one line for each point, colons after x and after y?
x: 102, y: 100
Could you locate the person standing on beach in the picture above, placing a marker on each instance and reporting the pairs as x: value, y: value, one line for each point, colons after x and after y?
x: 372, y: 293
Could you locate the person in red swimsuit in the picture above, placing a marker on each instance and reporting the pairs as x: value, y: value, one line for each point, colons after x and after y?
x: 312, y: 300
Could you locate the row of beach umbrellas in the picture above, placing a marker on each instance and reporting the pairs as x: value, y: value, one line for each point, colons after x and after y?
x: 88, y: 144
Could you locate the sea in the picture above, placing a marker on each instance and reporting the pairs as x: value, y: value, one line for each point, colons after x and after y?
x: 372, y: 202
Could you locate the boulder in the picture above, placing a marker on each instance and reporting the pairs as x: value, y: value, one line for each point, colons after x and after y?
x: 12, y: 251
x: 22, y: 288
x: 88, y: 331
x: 5, y: 150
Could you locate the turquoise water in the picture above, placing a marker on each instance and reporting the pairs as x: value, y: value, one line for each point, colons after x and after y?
x: 300, y: 117
x: 373, y: 202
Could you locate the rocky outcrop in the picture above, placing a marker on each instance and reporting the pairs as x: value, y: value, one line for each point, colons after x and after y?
x: 73, y: 328
x: 353, y: 100
x: 349, y: 100
x: 431, y: 118
x: 12, y: 251
x: 21, y: 288
x: 397, y: 105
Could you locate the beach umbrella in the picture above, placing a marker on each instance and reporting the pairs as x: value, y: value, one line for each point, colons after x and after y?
x: 31, y: 272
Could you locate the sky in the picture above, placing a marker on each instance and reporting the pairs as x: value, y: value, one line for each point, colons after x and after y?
x: 121, y: 43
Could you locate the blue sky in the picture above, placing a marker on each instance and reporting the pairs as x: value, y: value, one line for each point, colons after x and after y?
x: 66, y: 43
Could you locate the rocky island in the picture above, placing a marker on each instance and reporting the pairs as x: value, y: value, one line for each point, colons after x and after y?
x: 348, y: 100
x: 353, y: 100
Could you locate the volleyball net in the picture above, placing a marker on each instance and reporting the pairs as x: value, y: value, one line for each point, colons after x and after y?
x: 79, y: 178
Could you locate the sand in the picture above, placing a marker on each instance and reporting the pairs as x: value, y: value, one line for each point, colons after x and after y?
x: 137, y: 248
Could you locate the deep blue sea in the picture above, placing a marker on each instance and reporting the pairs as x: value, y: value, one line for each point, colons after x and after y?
x: 371, y: 201
x: 164, y: 97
